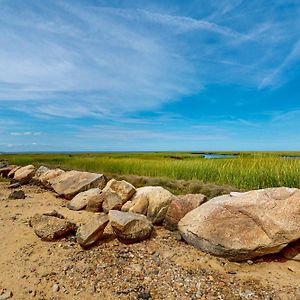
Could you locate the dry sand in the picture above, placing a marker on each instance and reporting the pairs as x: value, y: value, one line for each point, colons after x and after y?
x: 159, y: 268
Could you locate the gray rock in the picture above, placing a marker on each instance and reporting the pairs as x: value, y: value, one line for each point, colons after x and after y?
x: 14, y: 185
x: 130, y: 227
x: 6, y: 295
x: 51, y: 226
x: 90, y: 232
x: 17, y: 195
x: 243, y: 226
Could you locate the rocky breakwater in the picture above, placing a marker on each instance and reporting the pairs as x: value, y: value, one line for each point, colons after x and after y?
x: 238, y: 226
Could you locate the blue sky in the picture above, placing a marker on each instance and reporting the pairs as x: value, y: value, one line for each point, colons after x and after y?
x: 149, y: 75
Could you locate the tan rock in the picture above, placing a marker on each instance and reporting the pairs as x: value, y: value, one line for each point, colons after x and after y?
x: 50, y: 227
x: 115, y: 194
x: 11, y: 174
x: 243, y: 226
x: 130, y: 227
x: 292, y: 251
x: 94, y: 203
x: 153, y: 201
x: 180, y: 206
x: 90, y: 232
x: 81, y: 200
x: 71, y: 183
x: 48, y: 175
x: 24, y: 174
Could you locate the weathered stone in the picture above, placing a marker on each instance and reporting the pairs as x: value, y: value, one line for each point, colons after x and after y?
x: 4, y: 171
x: 14, y: 185
x: 51, y: 227
x: 115, y: 194
x: 11, y: 174
x: 40, y: 171
x: 153, y: 201
x: 110, y: 200
x: 48, y: 175
x: 90, y: 232
x: 94, y: 203
x: 130, y: 227
x: 180, y: 206
x: 17, y: 195
x: 81, y: 200
x: 71, y: 183
x: 243, y: 226
x: 292, y: 251
x: 123, y: 188
x: 24, y: 174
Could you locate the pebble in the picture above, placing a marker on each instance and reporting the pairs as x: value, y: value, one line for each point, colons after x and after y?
x: 55, y: 288
x: 6, y: 295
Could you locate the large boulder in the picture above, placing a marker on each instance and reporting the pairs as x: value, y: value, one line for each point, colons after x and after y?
x: 69, y: 184
x: 38, y: 173
x: 48, y: 175
x: 81, y: 200
x: 180, y: 206
x: 51, y: 226
x: 152, y: 201
x: 115, y: 194
x: 90, y: 232
x: 244, y: 225
x: 24, y: 174
x: 130, y: 227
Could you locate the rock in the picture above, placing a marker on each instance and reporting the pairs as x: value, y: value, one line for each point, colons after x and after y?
x: 24, y: 174
x: 11, y: 174
x: 4, y: 171
x: 244, y: 226
x: 40, y: 171
x: 69, y: 184
x: 55, y: 288
x: 6, y: 295
x: 90, y: 232
x: 48, y: 175
x: 17, y: 195
x: 180, y: 206
x: 80, y: 200
x: 153, y: 201
x: 94, y: 203
x: 14, y: 185
x: 115, y: 194
x: 130, y: 227
x: 292, y: 251
x: 51, y: 226
x: 3, y: 164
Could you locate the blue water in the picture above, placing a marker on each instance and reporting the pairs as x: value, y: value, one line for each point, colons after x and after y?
x: 219, y: 155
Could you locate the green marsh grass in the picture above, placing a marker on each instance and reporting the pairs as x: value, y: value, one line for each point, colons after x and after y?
x: 250, y: 170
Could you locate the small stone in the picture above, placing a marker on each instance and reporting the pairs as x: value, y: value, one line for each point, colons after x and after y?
x: 55, y: 288
x: 17, y: 195
x: 14, y: 185
x: 6, y: 295
x: 250, y: 262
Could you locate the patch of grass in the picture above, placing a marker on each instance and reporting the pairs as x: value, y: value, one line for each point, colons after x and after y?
x: 249, y: 170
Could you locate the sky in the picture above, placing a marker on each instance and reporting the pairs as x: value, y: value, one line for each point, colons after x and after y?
x: 134, y: 75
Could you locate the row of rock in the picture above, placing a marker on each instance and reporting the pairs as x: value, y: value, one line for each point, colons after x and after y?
x: 238, y: 226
